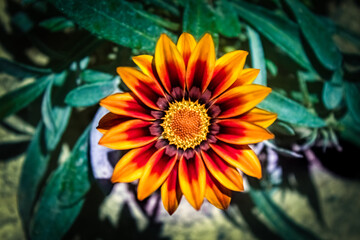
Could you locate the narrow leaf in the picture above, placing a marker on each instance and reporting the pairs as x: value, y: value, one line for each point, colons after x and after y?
x: 90, y: 94
x: 91, y: 76
x: 352, y: 98
x: 20, y: 70
x: 198, y: 18
x: 290, y: 111
x: 279, y: 30
x: 283, y: 224
x: 56, y: 24
x: 46, y: 107
x: 257, y: 55
x: 57, y: 210
x: 317, y: 34
x: 227, y: 21
x: 114, y: 21
x: 16, y: 100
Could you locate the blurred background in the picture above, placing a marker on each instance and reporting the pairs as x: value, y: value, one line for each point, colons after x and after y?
x: 58, y: 58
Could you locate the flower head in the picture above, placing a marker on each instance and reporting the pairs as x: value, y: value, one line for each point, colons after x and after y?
x: 187, y: 123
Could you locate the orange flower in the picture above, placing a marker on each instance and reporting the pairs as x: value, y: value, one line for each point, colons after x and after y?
x: 187, y: 123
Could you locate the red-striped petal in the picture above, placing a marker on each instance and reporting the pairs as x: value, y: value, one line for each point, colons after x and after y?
x: 144, y: 62
x: 217, y: 194
x: 132, y: 165
x: 156, y: 171
x: 241, y: 99
x: 201, y: 64
x: 192, y: 178
x: 246, y: 76
x: 240, y: 132
x: 222, y: 171
x: 126, y: 104
x: 144, y: 87
x: 170, y: 191
x: 186, y: 44
x: 226, y: 71
x: 127, y: 135
x: 110, y: 120
x: 239, y: 156
x: 169, y: 64
x: 259, y: 117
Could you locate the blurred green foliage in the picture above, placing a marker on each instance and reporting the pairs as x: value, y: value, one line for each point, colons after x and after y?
x: 283, y: 37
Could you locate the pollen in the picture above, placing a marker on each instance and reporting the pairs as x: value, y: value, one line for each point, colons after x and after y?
x: 186, y: 124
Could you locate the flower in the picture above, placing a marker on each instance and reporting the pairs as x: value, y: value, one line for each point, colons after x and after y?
x: 187, y: 122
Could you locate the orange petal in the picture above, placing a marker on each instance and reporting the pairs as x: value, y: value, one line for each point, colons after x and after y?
x: 156, y: 171
x: 110, y: 120
x: 129, y: 134
x: 169, y: 64
x: 217, y: 194
x: 240, y: 132
x: 126, y: 104
x: 145, y: 88
x: 222, y: 171
x: 239, y: 156
x: 192, y: 178
x: 132, y: 165
x: 241, y: 99
x: 246, y: 76
x: 201, y: 64
x: 226, y: 71
x: 186, y: 44
x: 259, y: 117
x: 144, y: 62
x: 170, y: 191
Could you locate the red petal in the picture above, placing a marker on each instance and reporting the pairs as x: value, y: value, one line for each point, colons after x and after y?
x: 156, y: 171
x: 132, y: 165
x: 239, y: 156
x: 144, y: 87
x: 186, y: 44
x: 110, y: 120
x: 126, y: 104
x: 201, y: 64
x: 217, y: 194
x: 222, y: 171
x: 227, y: 69
x: 241, y: 99
x: 259, y: 117
x: 169, y: 64
x: 240, y: 132
x: 129, y: 134
x: 192, y: 178
x: 170, y: 191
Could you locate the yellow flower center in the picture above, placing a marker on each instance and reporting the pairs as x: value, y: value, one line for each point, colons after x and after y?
x: 186, y: 124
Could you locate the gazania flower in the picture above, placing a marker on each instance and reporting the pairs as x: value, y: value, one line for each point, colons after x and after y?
x: 187, y: 123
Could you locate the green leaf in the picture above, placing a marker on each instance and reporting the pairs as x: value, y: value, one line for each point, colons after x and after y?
x: 37, y: 159
x: 317, y: 34
x: 333, y: 90
x: 90, y: 94
x: 227, y: 22
x: 91, y: 76
x: 257, y: 55
x: 282, y: 128
x: 56, y: 24
x: 290, y: 111
x: 352, y: 98
x: 46, y: 108
x: 116, y: 21
x: 33, y: 170
x: 61, y: 116
x: 271, y: 67
x: 279, y: 30
x: 20, y: 70
x: 198, y: 18
x: 166, y: 5
x: 16, y: 100
x: 63, y: 196
x: 282, y: 223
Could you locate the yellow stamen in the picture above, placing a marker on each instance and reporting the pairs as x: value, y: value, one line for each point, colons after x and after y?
x: 186, y: 124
